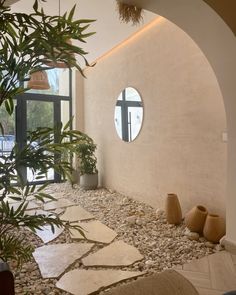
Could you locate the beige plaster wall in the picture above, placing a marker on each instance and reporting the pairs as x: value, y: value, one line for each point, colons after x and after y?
x: 180, y: 147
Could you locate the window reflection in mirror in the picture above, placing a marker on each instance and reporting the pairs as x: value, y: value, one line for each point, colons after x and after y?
x: 128, y: 114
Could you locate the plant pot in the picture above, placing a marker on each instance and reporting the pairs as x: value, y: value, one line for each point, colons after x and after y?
x: 75, y: 177
x: 195, y: 219
x: 214, y: 228
x: 6, y: 280
x: 89, y: 181
x: 173, y: 209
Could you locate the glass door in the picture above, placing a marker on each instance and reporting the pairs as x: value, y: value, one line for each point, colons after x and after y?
x: 32, y: 113
x: 39, y: 114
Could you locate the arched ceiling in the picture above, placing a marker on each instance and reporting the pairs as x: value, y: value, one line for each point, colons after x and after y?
x: 225, y: 8
x: 110, y: 31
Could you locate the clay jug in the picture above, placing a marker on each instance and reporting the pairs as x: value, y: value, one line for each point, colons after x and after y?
x: 173, y: 209
x: 195, y: 219
x: 214, y: 228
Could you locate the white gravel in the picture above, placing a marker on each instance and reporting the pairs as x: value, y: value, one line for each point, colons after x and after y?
x: 163, y: 245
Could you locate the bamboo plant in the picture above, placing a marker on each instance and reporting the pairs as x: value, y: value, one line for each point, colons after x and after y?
x: 28, y: 42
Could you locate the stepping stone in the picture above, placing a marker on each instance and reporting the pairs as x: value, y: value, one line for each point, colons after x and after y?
x: 10, y: 200
x: 56, y: 196
x: 31, y: 205
x: 61, y: 203
x: 53, y: 260
x: 76, y: 213
x: 46, y: 234
x: 117, y: 254
x: 47, y: 213
x: 85, y: 282
x: 39, y: 212
x: 59, y: 211
x: 94, y: 231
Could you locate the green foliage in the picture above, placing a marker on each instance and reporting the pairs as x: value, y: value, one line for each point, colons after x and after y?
x: 87, y: 160
x: 14, y: 248
x: 39, y: 159
x: 28, y: 42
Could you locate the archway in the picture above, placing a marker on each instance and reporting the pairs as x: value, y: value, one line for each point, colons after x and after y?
x: 218, y: 43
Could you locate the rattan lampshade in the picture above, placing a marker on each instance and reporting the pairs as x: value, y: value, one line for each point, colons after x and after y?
x: 38, y: 80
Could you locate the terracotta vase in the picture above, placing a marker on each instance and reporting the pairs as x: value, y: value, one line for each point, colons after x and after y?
x: 195, y: 219
x: 214, y: 228
x: 173, y: 209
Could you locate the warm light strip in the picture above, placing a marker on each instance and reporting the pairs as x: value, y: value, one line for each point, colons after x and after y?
x: 130, y: 39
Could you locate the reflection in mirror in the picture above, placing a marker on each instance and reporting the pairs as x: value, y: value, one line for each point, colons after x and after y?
x: 128, y: 114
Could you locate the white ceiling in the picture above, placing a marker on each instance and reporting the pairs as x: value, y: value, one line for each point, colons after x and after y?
x: 109, y: 30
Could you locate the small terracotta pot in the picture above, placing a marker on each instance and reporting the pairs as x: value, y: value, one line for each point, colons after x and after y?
x: 214, y: 228
x: 195, y: 219
x: 173, y: 209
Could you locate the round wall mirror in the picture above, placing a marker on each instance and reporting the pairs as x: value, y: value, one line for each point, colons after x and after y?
x: 128, y: 114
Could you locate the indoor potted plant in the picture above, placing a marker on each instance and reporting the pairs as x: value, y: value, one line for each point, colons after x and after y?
x: 87, y: 163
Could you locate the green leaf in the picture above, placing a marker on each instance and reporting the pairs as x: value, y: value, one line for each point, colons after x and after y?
x: 9, y: 105
x: 1, y: 129
x: 71, y: 14
x: 68, y: 124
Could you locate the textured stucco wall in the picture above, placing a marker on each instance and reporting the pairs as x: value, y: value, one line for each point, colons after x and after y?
x: 180, y: 147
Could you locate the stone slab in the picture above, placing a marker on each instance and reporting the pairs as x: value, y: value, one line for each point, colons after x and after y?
x: 95, y: 231
x: 39, y: 212
x: 76, y: 213
x: 116, y: 254
x: 46, y: 234
x: 31, y: 205
x: 85, y: 282
x: 59, y: 211
x: 56, y: 196
x: 61, y: 203
x: 53, y: 260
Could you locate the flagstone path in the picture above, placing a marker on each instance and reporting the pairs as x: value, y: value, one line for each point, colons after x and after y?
x: 76, y: 213
x: 53, y: 260
x: 94, y: 231
x: 163, y: 246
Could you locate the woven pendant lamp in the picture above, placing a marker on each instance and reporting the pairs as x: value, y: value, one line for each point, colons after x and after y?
x: 38, y: 80
x: 129, y: 13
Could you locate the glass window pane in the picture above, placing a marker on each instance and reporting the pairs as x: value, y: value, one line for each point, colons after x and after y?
x: 65, y: 111
x: 118, y: 121
x: 39, y: 114
x: 59, y: 83
x: 8, y: 122
x: 135, y: 117
x: 132, y: 94
x: 120, y: 96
